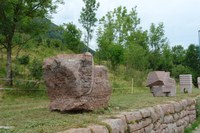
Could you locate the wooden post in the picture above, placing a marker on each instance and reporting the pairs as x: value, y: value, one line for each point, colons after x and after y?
x: 132, y: 87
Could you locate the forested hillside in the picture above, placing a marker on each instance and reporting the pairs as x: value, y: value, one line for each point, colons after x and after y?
x: 128, y: 50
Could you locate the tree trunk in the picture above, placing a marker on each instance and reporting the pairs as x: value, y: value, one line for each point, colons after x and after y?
x: 9, y: 66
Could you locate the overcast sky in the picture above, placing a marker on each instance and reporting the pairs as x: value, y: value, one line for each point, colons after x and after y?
x: 181, y: 18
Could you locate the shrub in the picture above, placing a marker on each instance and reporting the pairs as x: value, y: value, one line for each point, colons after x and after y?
x: 36, y: 69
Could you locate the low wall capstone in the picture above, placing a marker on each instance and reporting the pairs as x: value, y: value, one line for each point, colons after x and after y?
x: 172, y: 117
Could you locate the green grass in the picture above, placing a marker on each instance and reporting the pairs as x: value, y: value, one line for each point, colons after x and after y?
x: 30, y: 114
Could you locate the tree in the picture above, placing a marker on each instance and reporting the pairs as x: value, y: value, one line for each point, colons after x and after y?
x: 72, y: 37
x: 21, y: 16
x: 192, y: 60
x: 116, y: 55
x: 121, y: 27
x: 88, y: 18
x: 157, y: 41
x: 178, y: 54
x: 166, y: 59
x: 157, y: 37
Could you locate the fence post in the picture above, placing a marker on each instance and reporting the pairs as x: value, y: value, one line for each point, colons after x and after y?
x: 132, y: 87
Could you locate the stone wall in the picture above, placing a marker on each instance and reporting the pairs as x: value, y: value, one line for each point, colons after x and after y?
x: 173, y: 117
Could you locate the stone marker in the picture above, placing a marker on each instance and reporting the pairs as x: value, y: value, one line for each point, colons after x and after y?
x: 161, y: 84
x: 198, y: 80
x: 186, y: 83
x: 74, y: 83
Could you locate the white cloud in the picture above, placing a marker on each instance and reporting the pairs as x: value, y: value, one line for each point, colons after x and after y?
x: 181, y: 18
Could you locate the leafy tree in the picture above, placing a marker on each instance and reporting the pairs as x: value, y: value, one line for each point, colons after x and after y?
x: 116, y: 55
x: 178, y: 54
x: 88, y: 18
x: 192, y: 60
x: 166, y: 59
x: 157, y: 37
x: 180, y: 69
x: 120, y: 27
x: 106, y: 36
x: 136, y: 56
x: 157, y: 41
x: 72, y: 37
x: 36, y: 69
x: 21, y: 16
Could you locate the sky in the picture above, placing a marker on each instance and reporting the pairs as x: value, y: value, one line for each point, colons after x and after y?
x: 181, y: 18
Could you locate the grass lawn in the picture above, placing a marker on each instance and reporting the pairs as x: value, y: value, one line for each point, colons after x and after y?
x: 30, y: 114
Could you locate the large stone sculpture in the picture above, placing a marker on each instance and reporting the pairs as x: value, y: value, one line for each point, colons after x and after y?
x: 74, y: 83
x: 161, y: 84
x: 186, y: 83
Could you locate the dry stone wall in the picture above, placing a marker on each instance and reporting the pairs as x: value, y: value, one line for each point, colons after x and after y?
x: 173, y: 117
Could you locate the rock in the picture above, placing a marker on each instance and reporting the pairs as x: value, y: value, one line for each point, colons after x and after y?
x: 139, y: 125
x: 98, y: 129
x: 77, y: 130
x: 133, y: 117
x: 168, y: 119
x: 74, y: 83
x: 177, y: 107
x: 149, y: 128
x: 145, y: 113
x: 186, y: 83
x: 161, y: 84
x: 154, y: 116
x: 116, y: 125
x: 167, y: 109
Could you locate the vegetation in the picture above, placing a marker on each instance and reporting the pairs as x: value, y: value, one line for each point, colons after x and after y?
x: 18, y: 17
x: 88, y: 18
x: 122, y: 41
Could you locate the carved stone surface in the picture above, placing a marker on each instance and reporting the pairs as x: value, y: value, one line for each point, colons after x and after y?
x: 74, y: 83
x: 161, y: 84
x: 186, y: 83
x: 198, y: 80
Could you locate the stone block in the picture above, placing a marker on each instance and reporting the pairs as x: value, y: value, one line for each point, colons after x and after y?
x: 177, y: 107
x: 157, y: 126
x: 149, y: 128
x: 154, y: 116
x: 190, y: 102
x: 192, y: 108
x: 176, y: 117
x: 168, y: 119
x: 167, y: 109
x: 116, y: 125
x: 180, y: 129
x: 139, y: 125
x: 145, y: 113
x: 98, y: 129
x: 77, y: 130
x: 180, y: 122
x: 159, y: 112
x: 186, y: 83
x: 74, y: 83
x: 192, y: 118
x: 161, y: 84
x: 133, y: 117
